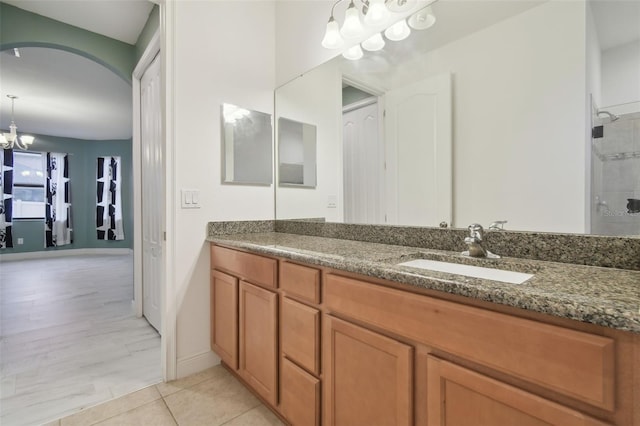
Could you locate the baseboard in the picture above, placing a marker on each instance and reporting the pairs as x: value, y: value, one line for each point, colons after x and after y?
x: 196, y: 363
x: 63, y: 253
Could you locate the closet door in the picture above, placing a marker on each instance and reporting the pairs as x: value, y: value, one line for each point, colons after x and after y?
x: 152, y: 149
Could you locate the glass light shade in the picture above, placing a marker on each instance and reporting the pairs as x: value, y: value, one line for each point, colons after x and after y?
x: 377, y: 14
x: 373, y: 43
x: 353, y: 53
x: 398, y: 31
x: 332, y: 38
x: 26, y: 140
x: 401, y: 5
x: 422, y: 19
x: 352, y: 27
x: 3, y: 141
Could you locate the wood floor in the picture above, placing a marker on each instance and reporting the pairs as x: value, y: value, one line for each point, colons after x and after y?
x: 68, y: 337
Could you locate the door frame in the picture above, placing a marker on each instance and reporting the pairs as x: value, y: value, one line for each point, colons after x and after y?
x: 157, y: 45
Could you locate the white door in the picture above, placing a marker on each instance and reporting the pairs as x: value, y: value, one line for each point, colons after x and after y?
x: 152, y: 193
x: 419, y: 158
x: 363, y: 164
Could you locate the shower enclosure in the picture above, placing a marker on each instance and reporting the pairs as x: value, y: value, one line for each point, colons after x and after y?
x: 615, y: 173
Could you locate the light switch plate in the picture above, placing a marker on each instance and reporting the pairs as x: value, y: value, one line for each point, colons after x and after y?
x: 190, y: 198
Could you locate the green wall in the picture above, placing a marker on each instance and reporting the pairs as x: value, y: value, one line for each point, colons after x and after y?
x: 19, y: 28
x: 82, y: 174
x: 147, y: 32
x: 350, y: 95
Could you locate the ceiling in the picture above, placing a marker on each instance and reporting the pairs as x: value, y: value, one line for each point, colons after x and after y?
x: 118, y: 19
x: 617, y: 21
x: 62, y: 94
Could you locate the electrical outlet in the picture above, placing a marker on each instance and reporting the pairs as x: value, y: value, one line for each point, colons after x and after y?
x: 332, y: 202
x: 20, y: 241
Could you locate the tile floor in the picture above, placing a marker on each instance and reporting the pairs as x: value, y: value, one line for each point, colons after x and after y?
x: 213, y: 397
x: 68, y: 337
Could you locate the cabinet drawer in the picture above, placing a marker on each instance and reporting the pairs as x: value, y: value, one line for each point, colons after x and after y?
x: 300, y: 281
x: 300, y: 395
x: 250, y: 267
x: 570, y: 362
x: 300, y: 334
x: 457, y: 394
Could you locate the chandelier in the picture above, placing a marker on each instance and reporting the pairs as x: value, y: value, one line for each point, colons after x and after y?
x: 11, y: 139
x: 377, y: 16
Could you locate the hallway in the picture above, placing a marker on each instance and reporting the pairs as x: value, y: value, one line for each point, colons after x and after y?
x: 69, y: 338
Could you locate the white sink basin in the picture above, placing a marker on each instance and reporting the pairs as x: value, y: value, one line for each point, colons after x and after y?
x: 469, y: 271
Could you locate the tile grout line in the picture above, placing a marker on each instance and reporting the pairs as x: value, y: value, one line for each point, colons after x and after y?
x: 120, y: 414
x: 169, y: 409
x: 241, y: 414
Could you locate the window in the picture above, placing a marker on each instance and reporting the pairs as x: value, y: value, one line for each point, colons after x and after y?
x: 28, y: 185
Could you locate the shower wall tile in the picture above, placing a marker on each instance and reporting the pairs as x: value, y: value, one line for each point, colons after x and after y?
x: 621, y: 175
x: 618, y: 137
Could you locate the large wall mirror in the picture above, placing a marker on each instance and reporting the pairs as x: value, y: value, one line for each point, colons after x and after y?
x: 246, y: 146
x: 524, y: 111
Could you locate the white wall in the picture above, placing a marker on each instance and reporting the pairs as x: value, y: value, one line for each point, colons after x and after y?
x: 300, y: 26
x: 621, y: 74
x: 594, y: 78
x: 223, y: 51
x: 519, y: 120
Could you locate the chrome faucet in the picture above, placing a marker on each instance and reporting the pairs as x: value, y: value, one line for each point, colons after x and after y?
x: 498, y: 225
x: 475, y: 241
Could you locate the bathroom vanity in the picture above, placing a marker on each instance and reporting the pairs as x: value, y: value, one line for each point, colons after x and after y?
x: 337, y: 332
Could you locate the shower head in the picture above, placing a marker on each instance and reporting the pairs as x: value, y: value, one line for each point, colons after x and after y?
x: 612, y: 117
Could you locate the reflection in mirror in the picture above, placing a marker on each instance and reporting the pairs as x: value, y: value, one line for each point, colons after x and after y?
x: 246, y: 146
x: 296, y: 153
x: 521, y: 119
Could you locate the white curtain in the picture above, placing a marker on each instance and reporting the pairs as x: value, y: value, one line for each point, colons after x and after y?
x: 58, y: 229
x: 6, y: 197
x: 109, y: 201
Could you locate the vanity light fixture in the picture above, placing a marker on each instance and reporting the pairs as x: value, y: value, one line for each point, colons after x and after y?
x: 11, y: 139
x: 352, y: 27
x: 375, y: 15
x: 398, y: 31
x: 401, y: 5
x: 373, y: 43
x: 422, y: 19
x: 353, y: 53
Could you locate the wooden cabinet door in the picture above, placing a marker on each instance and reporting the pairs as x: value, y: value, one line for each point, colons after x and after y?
x: 461, y: 397
x: 299, y: 395
x: 258, y: 339
x: 368, y: 377
x: 224, y: 317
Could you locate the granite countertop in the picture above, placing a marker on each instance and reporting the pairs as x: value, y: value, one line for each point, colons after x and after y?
x: 604, y: 296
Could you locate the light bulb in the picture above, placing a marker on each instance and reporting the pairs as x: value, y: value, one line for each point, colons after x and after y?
x: 332, y: 38
x: 377, y: 14
x: 398, y: 31
x: 26, y: 140
x: 353, y: 53
x: 373, y: 43
x: 352, y: 27
x: 422, y: 19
